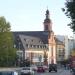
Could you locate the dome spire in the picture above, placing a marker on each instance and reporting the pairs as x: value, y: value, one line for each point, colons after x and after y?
x: 47, y: 22
x: 47, y: 14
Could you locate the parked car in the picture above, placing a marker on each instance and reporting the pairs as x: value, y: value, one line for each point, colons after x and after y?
x: 72, y: 71
x: 40, y: 69
x: 52, y: 67
x: 27, y: 71
x: 8, y: 73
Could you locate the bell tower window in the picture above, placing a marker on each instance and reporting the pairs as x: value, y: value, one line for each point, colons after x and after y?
x: 46, y: 27
x: 47, y: 22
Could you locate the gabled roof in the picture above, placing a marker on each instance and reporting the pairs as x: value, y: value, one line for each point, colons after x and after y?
x: 59, y: 42
x: 59, y: 39
x: 43, y: 35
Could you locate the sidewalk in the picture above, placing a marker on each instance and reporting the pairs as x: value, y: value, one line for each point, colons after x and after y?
x: 60, y: 70
x: 66, y: 72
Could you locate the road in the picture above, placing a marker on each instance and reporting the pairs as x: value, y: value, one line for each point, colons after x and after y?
x: 60, y: 72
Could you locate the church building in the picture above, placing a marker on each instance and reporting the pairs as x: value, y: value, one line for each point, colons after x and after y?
x: 38, y: 45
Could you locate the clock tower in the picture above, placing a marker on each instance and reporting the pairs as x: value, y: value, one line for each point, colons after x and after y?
x: 47, y: 22
x: 51, y: 39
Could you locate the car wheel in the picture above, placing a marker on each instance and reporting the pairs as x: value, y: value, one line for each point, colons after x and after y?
x: 49, y: 70
x: 55, y: 70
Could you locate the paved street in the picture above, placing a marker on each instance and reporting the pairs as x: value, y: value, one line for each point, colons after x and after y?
x: 60, y: 72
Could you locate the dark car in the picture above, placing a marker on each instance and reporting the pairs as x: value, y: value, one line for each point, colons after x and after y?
x: 40, y: 69
x: 73, y: 71
x: 52, y: 67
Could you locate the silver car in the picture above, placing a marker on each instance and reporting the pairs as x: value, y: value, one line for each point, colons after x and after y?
x: 27, y: 71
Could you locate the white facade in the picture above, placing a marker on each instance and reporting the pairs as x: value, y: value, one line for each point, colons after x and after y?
x: 66, y: 47
x: 72, y: 43
x: 49, y: 55
x: 36, y: 55
x: 68, y: 44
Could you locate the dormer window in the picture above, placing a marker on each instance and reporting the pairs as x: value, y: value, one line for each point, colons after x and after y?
x: 40, y: 42
x: 32, y: 40
x: 24, y: 39
x: 34, y: 46
x: 31, y: 46
x: 26, y: 45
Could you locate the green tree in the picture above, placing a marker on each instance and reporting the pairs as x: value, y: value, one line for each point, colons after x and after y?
x: 69, y: 10
x: 7, y: 51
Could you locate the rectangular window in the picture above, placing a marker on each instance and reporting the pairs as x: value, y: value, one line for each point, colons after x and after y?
x: 46, y: 27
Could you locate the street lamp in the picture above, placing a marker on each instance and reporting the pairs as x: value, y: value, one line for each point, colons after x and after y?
x: 19, y: 56
x: 19, y: 45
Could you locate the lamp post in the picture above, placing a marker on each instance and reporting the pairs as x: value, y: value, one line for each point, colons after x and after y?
x: 19, y: 55
x: 16, y: 52
x: 19, y: 45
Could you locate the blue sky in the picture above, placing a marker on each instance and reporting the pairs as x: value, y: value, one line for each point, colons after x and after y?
x: 28, y: 15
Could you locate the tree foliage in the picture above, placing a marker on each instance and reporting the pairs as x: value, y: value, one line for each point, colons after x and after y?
x: 70, y: 12
x: 7, y: 52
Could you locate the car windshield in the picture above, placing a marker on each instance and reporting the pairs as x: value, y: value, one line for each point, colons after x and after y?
x: 27, y: 68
